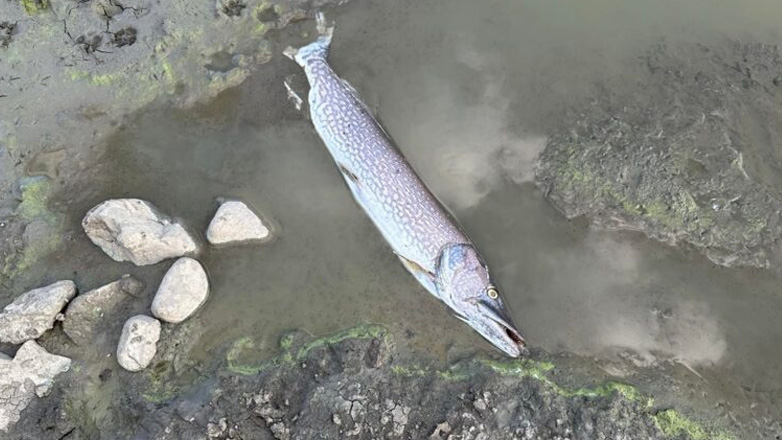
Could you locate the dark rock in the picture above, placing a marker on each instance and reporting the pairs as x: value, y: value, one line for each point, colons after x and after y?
x: 90, y: 313
x: 6, y: 30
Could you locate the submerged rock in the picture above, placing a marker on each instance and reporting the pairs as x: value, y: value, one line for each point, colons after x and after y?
x: 31, y: 373
x: 138, y: 342
x: 183, y: 290
x: 235, y: 222
x: 33, y: 313
x: 134, y: 230
x: 87, y: 314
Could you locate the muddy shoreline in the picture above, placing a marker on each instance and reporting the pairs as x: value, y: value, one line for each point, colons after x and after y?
x: 351, y: 384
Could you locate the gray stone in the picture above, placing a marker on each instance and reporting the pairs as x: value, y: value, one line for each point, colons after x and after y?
x: 88, y: 313
x: 183, y: 290
x: 31, y: 373
x: 235, y: 222
x: 138, y: 342
x: 32, y: 313
x: 134, y: 230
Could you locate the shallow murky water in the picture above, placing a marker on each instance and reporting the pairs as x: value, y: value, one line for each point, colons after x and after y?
x: 468, y: 89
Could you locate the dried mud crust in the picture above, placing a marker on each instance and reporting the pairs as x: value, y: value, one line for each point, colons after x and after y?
x: 687, y: 152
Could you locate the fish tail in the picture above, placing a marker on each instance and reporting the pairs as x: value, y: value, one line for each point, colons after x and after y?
x: 318, y: 49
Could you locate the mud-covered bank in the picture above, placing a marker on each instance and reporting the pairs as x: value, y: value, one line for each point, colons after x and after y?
x: 71, y: 72
x: 116, y: 119
x: 353, y: 384
x: 688, y: 151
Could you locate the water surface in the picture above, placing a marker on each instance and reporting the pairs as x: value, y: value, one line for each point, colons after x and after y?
x: 469, y: 90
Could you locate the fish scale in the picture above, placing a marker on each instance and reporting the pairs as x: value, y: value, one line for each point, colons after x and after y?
x: 408, y: 215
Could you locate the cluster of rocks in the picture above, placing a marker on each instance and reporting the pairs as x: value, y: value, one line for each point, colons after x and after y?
x: 31, y: 372
x: 134, y: 230
x: 126, y: 230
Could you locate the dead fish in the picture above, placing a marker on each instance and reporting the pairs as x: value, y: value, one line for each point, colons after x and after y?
x: 422, y: 233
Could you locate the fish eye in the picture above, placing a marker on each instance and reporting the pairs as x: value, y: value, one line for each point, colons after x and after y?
x: 492, y: 292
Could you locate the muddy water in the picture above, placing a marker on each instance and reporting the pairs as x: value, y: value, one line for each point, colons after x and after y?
x: 469, y: 91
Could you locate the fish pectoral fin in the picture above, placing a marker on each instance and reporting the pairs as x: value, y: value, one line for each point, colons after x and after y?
x: 423, y: 276
x: 347, y: 173
x: 293, y: 87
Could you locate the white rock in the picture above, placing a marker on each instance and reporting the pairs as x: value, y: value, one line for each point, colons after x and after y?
x: 235, y: 222
x: 133, y: 230
x: 31, y: 373
x: 183, y: 290
x: 138, y: 342
x: 32, y: 313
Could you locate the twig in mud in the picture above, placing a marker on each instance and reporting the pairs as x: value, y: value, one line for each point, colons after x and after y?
x: 689, y: 367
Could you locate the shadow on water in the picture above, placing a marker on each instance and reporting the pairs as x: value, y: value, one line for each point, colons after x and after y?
x: 471, y: 116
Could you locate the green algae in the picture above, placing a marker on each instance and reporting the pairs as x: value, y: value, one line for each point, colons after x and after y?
x: 681, y: 213
x: 367, y: 331
x: 520, y: 367
x: 35, y: 199
x: 538, y: 370
x: 160, y: 386
x: 287, y: 355
x: 35, y: 6
x: 286, y: 342
x: 105, y: 80
x: 34, y: 208
x: 453, y: 374
x: 410, y: 371
x: 670, y: 422
x: 673, y: 424
x: 77, y: 75
x: 32, y: 253
x: 234, y: 354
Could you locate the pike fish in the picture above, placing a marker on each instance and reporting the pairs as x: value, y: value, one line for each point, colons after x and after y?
x: 423, y: 234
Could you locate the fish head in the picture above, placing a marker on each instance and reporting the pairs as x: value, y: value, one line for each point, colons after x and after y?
x: 463, y: 282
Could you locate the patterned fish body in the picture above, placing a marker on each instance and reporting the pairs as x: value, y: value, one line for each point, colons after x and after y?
x: 414, y: 223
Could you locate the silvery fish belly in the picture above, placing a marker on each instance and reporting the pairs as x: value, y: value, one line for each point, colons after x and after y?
x: 420, y: 231
x: 380, y: 178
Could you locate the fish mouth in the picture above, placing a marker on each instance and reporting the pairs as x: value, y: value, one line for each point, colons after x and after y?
x: 498, y: 330
x: 503, y: 319
x: 514, y: 335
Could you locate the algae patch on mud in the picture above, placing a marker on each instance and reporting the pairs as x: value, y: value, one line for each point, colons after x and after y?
x: 43, y: 231
x: 35, y: 197
x: 35, y: 6
x: 673, y: 424
x: 669, y: 421
x: 159, y: 389
x: 674, y: 170
x: 288, y: 354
